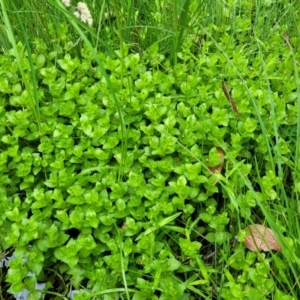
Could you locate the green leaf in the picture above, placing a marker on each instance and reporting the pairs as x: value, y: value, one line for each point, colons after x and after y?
x: 13, y: 152
x: 118, y: 190
x: 154, y: 112
x: 13, y: 215
x: 68, y: 64
x: 214, y: 158
x: 107, y: 220
x: 281, y: 296
x: 128, y: 246
x: 120, y: 204
x: 160, y: 224
x: 76, y: 217
x: 192, y: 171
x: 4, y: 86
x: 45, y: 145
x: 49, y: 74
x: 180, y: 187
x: 188, y: 247
x: 76, y: 190
x: 75, y: 200
x: 220, y: 116
x: 40, y: 61
x: 111, y: 142
x: 66, y: 108
x: 146, y: 241
x: 135, y: 180
x: 172, y: 264
x: 72, y: 91
x: 146, y: 295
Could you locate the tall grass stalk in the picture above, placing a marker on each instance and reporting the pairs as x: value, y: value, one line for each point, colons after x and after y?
x: 292, y: 222
x: 35, y: 16
x: 297, y: 152
x: 31, y: 87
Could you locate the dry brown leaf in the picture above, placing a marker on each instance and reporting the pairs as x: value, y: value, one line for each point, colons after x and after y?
x: 228, y: 96
x: 286, y: 37
x: 261, y: 238
x: 218, y: 168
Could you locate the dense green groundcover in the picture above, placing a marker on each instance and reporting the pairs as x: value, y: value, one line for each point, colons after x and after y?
x: 134, y: 212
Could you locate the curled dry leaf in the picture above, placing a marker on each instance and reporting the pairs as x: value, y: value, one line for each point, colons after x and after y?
x: 228, y: 96
x: 286, y: 37
x: 261, y: 238
x: 218, y: 168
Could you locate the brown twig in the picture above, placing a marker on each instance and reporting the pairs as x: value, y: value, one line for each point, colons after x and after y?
x: 287, y: 38
x: 228, y: 96
x: 3, y: 255
x: 210, y: 255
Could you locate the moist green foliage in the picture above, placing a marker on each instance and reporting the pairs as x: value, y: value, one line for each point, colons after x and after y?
x: 165, y: 228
